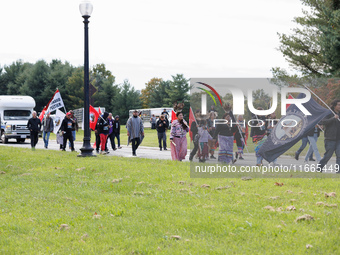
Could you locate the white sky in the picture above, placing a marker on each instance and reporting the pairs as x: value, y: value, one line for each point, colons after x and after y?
x: 142, y: 39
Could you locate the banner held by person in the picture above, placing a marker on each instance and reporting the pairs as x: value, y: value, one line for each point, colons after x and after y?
x: 291, y: 128
x: 55, y: 101
x: 59, y: 116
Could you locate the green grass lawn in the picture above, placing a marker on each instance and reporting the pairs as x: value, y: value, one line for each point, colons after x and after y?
x: 114, y: 205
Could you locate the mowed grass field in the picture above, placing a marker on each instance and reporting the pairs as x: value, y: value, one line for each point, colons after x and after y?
x: 54, y: 202
x: 151, y: 140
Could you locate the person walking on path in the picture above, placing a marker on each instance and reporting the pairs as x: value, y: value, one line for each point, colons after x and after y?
x: 47, y: 128
x: 135, y: 131
x: 195, y: 135
x: 225, y: 134
x: 111, y: 134
x: 74, y: 126
x: 153, y: 121
x: 313, y: 136
x: 302, y: 147
x: 161, y: 126
x: 116, y: 131
x: 34, y: 126
x: 66, y: 128
x: 179, y: 129
x: 332, y: 136
x: 103, y: 130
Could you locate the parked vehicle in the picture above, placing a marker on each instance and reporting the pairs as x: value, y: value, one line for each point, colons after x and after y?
x: 15, y: 111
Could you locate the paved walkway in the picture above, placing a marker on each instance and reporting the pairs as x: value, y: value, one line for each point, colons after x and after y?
x: 155, y: 153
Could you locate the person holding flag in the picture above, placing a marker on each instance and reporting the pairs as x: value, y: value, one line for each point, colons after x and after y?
x: 331, y: 124
x: 103, y: 130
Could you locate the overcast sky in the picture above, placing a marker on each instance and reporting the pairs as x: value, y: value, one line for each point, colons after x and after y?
x: 141, y: 39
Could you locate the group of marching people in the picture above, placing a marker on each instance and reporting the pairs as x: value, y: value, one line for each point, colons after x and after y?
x: 207, y: 136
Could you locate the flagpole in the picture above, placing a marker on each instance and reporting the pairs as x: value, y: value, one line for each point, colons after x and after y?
x: 320, y: 100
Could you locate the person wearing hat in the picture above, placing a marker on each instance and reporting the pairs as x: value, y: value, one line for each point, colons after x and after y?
x: 66, y: 129
x: 135, y: 131
x: 116, y: 131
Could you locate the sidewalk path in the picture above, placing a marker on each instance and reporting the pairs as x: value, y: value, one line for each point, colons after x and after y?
x: 155, y: 153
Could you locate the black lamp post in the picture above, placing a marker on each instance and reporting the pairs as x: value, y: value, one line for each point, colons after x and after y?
x: 86, y: 8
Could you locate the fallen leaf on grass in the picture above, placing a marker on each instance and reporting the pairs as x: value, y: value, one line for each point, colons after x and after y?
x: 175, y: 237
x: 280, y: 209
x: 117, y: 180
x: 2, y: 172
x: 270, y: 208
x: 85, y: 236
x: 332, y: 194
x: 292, y: 200
x: 181, y: 182
x: 80, y: 169
x: 25, y: 174
x: 300, y: 193
x: 242, y: 193
x: 138, y: 193
x: 220, y: 188
x: 140, y: 183
x: 64, y: 226
x: 278, y: 184
x: 205, y: 186
x: 308, y: 246
x: 96, y: 216
x: 274, y: 198
x: 183, y: 190
x: 306, y: 217
x: 289, y: 191
x: 332, y: 205
x: 246, y: 178
x: 291, y: 208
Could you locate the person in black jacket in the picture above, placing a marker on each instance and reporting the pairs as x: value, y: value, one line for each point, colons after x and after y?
x: 194, y: 131
x: 332, y: 136
x: 225, y: 134
x: 34, y: 126
x: 116, y: 131
x: 66, y: 128
x: 161, y: 125
x: 103, y: 130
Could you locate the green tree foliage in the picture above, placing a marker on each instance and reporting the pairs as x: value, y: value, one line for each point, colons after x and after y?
x: 103, y: 80
x: 74, y: 90
x: 127, y: 99
x: 150, y: 89
x: 313, y: 48
x: 159, y: 95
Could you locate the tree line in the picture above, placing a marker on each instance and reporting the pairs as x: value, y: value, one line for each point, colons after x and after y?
x: 41, y: 79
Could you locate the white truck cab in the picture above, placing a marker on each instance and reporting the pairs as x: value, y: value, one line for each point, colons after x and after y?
x: 15, y: 111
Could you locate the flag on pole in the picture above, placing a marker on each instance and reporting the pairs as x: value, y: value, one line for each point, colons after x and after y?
x: 289, y: 97
x: 94, y: 115
x: 291, y: 128
x: 191, y: 120
x: 55, y: 102
x: 173, y: 116
x: 58, y: 119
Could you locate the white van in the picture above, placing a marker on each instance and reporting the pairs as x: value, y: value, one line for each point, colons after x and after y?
x: 15, y: 111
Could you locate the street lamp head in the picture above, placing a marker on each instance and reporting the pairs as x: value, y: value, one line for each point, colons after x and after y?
x: 85, y: 8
